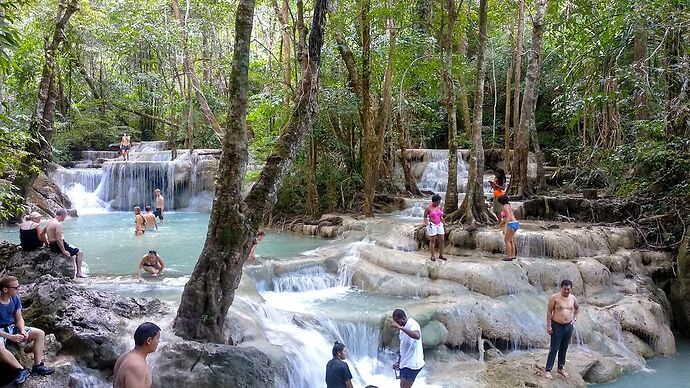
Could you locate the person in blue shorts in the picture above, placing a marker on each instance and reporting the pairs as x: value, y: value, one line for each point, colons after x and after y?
x: 510, y: 225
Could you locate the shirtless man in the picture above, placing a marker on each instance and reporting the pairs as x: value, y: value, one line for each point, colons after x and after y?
x: 160, y: 203
x: 561, y: 314
x: 131, y: 370
x: 151, y: 263
x: 150, y: 220
x: 57, y: 243
x: 125, y: 146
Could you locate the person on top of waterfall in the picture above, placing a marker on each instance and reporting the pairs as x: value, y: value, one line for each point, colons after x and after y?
x: 509, y: 225
x: 434, y: 222
x: 411, y: 358
x: 337, y: 371
x: 131, y: 369
x: 160, y: 204
x: 151, y: 263
x: 125, y: 145
x: 150, y: 218
x: 139, y: 222
x: 561, y: 314
x: 498, y: 186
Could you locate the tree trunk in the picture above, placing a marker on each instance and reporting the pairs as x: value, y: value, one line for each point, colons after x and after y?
x: 383, y: 114
x: 462, y: 88
x: 44, y: 116
x: 519, y: 183
x: 473, y: 209
x: 286, y: 50
x: 370, y: 140
x: 232, y: 224
x: 640, y: 54
x: 312, y: 188
x: 517, y: 59
x: 192, y: 79
x: 410, y: 183
x: 506, y: 122
x: 448, y: 103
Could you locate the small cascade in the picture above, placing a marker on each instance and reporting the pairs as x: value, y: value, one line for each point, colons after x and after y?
x: 149, y: 146
x: 306, y: 279
x: 530, y: 245
x: 435, y: 176
x: 128, y: 184
x: 80, y: 185
x: 94, y: 155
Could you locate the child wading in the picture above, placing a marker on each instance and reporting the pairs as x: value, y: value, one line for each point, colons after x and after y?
x: 433, y: 219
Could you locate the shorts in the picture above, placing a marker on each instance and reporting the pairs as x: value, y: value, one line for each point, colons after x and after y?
x: 149, y: 229
x: 158, y: 213
x: 409, y: 374
x: 124, y: 148
x: 513, y: 226
x: 11, y: 329
x: 434, y: 229
x: 54, y: 247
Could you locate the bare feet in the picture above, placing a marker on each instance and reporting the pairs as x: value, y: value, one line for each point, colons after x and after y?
x: 547, y: 375
x: 563, y: 373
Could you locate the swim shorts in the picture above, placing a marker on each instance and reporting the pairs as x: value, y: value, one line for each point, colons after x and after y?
x: 513, y: 225
x: 11, y: 329
x: 54, y: 247
x: 409, y: 374
x: 434, y: 229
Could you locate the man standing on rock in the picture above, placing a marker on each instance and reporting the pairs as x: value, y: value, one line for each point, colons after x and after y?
x: 411, y: 358
x: 561, y: 314
x: 131, y: 370
x: 125, y: 145
x: 160, y: 204
x: 57, y: 243
x: 12, y: 329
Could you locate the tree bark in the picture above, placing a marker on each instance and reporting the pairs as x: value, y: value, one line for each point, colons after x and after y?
x: 519, y: 183
x: 350, y: 64
x: 44, y: 116
x: 462, y: 88
x: 383, y: 114
x: 370, y: 140
x: 506, y: 122
x: 517, y: 59
x: 410, y: 183
x: 312, y: 188
x: 232, y: 224
x: 448, y: 102
x: 473, y: 209
x: 286, y: 50
x: 640, y: 58
x: 192, y: 79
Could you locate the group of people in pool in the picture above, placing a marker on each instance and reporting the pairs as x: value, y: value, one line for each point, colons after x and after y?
x: 146, y: 222
x: 435, y: 223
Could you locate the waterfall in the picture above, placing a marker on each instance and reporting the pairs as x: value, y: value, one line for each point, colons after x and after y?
x: 129, y: 184
x: 435, y: 176
x: 80, y: 185
x: 306, y: 279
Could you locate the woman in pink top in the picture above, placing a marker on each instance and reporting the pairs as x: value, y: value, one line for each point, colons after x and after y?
x: 433, y: 219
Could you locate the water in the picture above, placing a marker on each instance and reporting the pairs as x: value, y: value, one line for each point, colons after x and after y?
x: 666, y: 372
x: 435, y: 176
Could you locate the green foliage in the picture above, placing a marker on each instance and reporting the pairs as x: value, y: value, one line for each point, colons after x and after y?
x: 13, y: 166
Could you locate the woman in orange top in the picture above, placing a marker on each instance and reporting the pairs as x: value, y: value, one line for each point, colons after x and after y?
x: 497, y: 185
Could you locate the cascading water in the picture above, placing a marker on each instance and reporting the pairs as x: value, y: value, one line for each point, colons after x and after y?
x: 435, y: 176
x: 128, y: 184
x: 81, y: 184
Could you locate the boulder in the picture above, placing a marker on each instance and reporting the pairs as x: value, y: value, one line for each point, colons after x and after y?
x: 91, y: 325
x: 646, y: 319
x: 28, y: 266
x: 193, y: 364
x: 435, y: 334
x: 46, y: 197
x: 526, y: 370
x: 680, y: 289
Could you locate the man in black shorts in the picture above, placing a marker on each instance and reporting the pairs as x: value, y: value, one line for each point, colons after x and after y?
x: 59, y: 245
x: 337, y: 371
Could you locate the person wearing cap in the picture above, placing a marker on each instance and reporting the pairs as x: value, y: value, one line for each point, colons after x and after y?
x: 151, y: 263
x: 57, y: 243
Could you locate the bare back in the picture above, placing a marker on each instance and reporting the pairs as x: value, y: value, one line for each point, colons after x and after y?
x: 131, y: 371
x: 150, y: 219
x: 125, y: 140
x: 563, y: 308
x: 54, y: 230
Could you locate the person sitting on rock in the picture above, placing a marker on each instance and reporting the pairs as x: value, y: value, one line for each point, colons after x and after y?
x: 12, y: 329
x: 151, y: 263
x: 57, y: 243
x: 131, y: 369
x: 259, y: 237
x: 31, y: 235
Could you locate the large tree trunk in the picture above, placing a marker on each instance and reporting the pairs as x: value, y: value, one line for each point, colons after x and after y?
x: 640, y: 54
x: 286, y: 54
x: 410, y: 183
x: 519, y: 183
x: 383, y: 114
x: 370, y: 140
x: 232, y: 224
x: 312, y: 188
x: 448, y: 103
x: 506, y: 122
x: 473, y: 208
x: 192, y: 79
x: 517, y: 59
x: 44, y: 116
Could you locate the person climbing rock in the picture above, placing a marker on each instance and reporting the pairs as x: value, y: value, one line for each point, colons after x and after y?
x: 509, y: 225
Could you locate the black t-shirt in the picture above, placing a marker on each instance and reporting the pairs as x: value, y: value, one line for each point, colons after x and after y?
x: 337, y: 373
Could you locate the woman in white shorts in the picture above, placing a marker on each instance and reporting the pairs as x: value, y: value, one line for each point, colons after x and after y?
x: 433, y: 219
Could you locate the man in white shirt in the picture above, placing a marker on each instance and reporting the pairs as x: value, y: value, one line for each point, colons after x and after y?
x: 411, y: 358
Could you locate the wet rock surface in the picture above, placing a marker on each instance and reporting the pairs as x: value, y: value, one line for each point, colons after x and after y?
x: 46, y: 197
x: 28, y: 266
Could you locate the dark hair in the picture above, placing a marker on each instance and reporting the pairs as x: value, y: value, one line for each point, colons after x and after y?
x: 337, y: 348
x: 154, y: 252
x: 145, y: 331
x: 60, y: 212
x: 6, y: 281
x: 398, y: 313
x: 261, y: 233
x: 503, y: 200
x: 501, y: 175
x: 435, y: 198
x: 148, y: 208
x: 566, y: 283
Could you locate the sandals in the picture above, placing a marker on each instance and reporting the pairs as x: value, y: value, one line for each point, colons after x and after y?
x: 508, y: 259
x: 433, y: 258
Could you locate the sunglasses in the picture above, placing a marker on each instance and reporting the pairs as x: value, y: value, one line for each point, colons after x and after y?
x: 16, y: 288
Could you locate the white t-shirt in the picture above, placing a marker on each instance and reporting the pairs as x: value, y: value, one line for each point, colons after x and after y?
x: 411, y: 352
